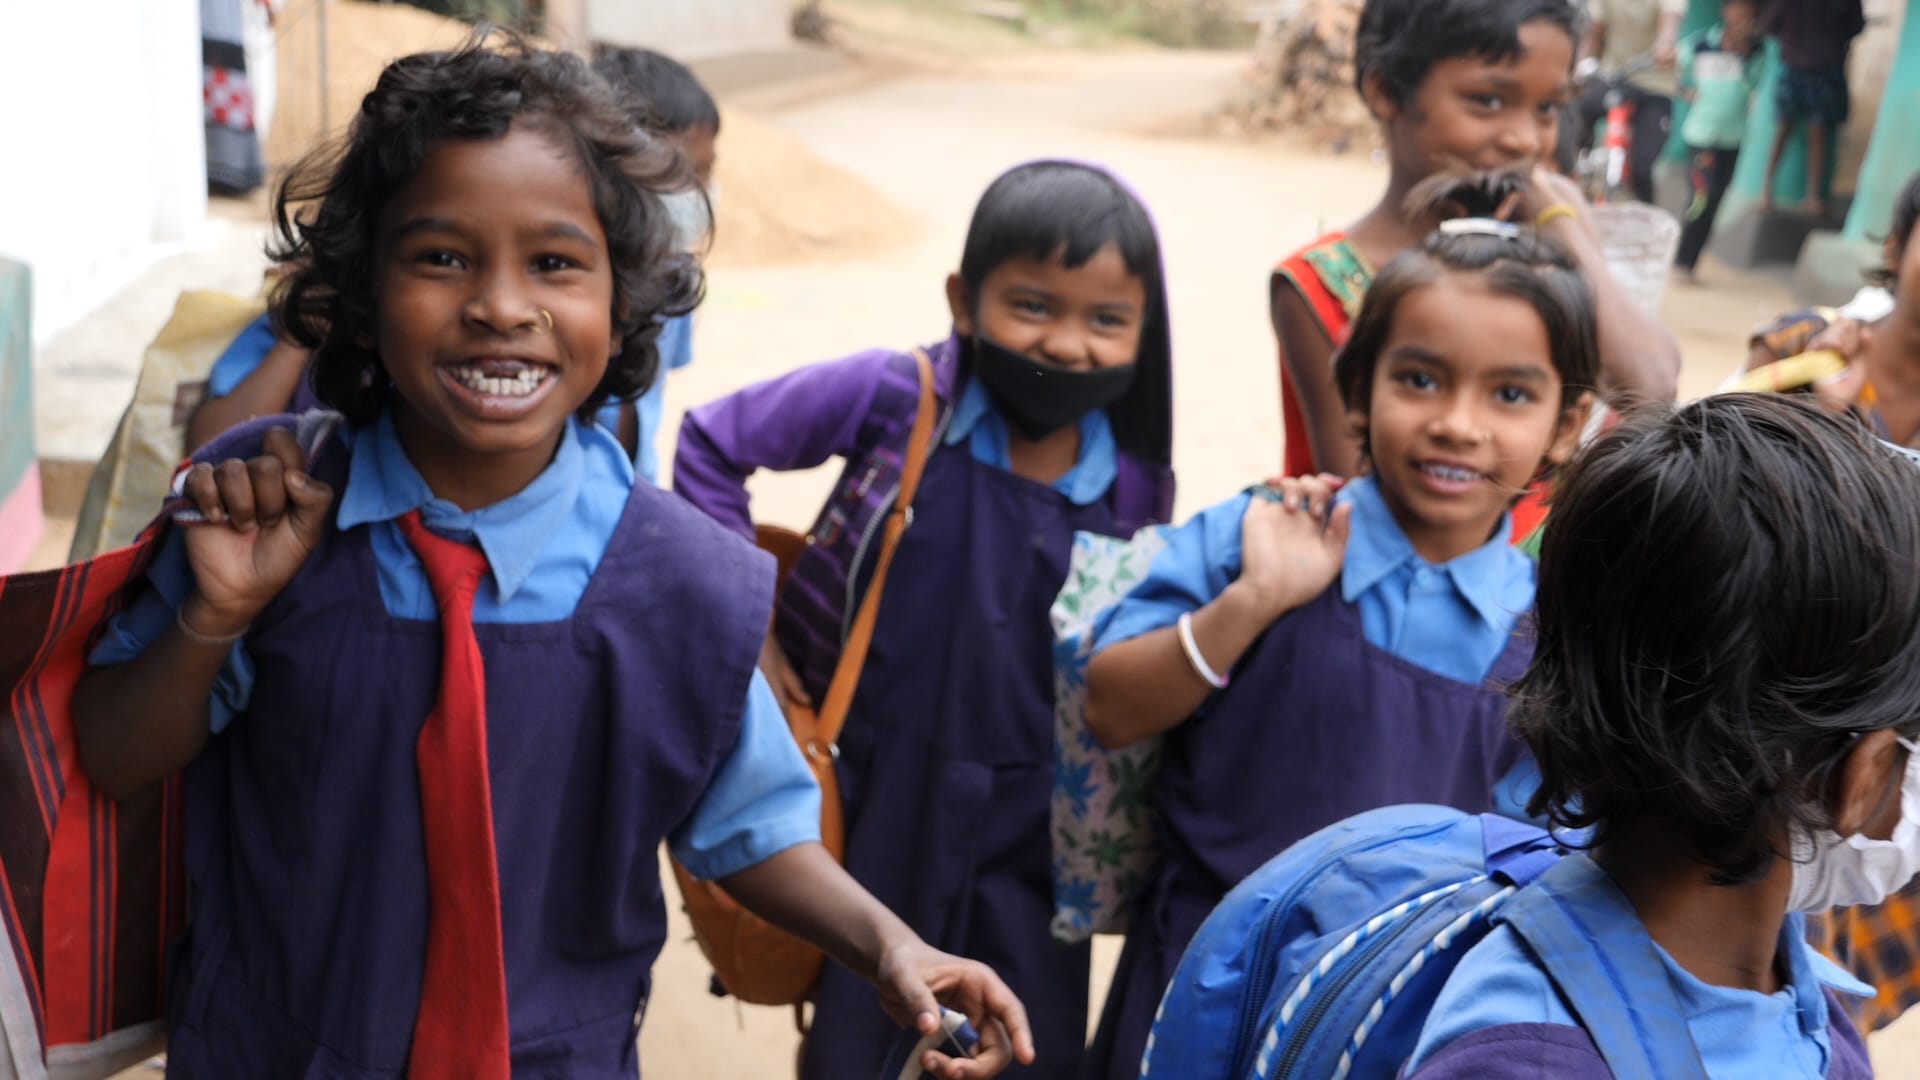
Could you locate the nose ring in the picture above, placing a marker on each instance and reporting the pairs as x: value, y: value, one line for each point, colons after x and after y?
x: 547, y: 315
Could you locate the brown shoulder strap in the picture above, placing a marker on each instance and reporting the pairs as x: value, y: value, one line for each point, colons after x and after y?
x: 833, y: 712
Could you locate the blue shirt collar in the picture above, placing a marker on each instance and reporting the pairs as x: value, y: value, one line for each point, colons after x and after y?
x: 980, y: 424
x: 1485, y: 577
x: 382, y: 485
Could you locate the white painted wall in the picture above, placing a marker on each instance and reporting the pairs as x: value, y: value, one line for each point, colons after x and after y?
x: 690, y: 29
x: 102, y: 155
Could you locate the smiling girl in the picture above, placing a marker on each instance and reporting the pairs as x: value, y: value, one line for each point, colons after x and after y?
x: 435, y: 729
x: 1457, y: 85
x: 1309, y: 657
x: 1055, y: 417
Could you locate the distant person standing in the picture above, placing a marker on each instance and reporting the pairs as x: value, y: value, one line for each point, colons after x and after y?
x: 1815, y: 37
x: 1719, y: 70
x: 1643, y: 34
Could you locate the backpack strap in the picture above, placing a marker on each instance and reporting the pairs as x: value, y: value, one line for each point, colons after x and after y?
x: 1607, y: 971
x: 846, y: 676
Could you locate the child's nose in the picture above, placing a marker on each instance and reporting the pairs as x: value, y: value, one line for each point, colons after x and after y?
x: 1521, y: 138
x: 1459, y: 422
x: 502, y: 305
x: 1064, y: 347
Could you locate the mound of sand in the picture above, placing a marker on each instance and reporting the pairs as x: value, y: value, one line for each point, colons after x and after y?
x: 779, y: 203
x: 1301, y: 80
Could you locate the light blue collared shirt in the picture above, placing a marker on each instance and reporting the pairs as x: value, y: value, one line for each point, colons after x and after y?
x: 1454, y: 619
x: 542, y: 545
x: 676, y: 351
x: 1737, y: 1032
x: 980, y: 424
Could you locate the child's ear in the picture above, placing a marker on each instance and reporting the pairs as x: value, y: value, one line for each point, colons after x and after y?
x: 1379, y: 97
x: 1866, y: 796
x: 959, y: 304
x: 1566, y: 437
x: 1357, y: 424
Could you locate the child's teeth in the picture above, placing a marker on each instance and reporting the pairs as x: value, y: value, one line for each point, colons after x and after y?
x: 519, y: 385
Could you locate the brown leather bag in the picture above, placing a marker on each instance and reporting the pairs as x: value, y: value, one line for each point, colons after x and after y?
x: 757, y: 963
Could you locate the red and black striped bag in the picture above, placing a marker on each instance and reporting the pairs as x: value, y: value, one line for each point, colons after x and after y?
x: 92, y: 891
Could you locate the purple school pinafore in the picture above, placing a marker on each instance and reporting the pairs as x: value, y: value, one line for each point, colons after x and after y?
x: 306, y: 938
x: 946, y: 762
x: 1319, y: 725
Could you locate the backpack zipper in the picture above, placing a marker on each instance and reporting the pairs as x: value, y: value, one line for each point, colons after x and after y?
x: 1259, y: 972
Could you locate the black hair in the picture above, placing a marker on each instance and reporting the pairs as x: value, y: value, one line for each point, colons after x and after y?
x: 1728, y: 598
x: 1906, y: 215
x: 660, y: 93
x: 1517, y: 262
x: 327, y: 209
x: 1401, y: 40
x: 1068, y: 211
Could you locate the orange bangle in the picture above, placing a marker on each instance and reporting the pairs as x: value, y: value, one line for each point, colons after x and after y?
x: 1554, y: 213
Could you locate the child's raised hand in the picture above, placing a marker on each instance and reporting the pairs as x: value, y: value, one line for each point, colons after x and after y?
x: 915, y: 979
x: 264, y: 516
x: 1545, y: 190
x: 1293, y: 541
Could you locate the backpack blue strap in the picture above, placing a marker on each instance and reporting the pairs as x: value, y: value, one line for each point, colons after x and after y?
x: 1607, y: 970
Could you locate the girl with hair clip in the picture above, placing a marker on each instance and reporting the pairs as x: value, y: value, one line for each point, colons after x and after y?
x: 443, y: 677
x: 1055, y: 417
x: 1729, y: 703
x: 1309, y: 655
x: 1456, y: 85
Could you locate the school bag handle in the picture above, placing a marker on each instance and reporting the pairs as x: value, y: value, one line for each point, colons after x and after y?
x: 832, y: 716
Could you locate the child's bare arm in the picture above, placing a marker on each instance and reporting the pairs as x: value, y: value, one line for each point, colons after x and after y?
x: 1639, y: 359
x: 1291, y: 551
x: 141, y: 721
x: 263, y: 393
x: 1308, y: 358
x: 804, y: 891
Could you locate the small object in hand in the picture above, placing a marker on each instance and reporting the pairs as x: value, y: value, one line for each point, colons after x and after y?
x: 955, y: 1038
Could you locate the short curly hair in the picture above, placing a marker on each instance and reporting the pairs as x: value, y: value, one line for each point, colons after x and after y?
x: 1729, y: 596
x: 326, y: 211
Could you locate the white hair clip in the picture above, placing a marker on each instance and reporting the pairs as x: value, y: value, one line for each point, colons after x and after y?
x: 1505, y: 230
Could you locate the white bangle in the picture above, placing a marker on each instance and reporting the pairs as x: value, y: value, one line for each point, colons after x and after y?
x: 1200, y: 668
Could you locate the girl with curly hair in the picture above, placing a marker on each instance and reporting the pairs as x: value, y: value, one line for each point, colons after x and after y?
x: 435, y: 727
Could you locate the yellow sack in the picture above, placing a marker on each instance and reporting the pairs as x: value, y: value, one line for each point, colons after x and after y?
x: 150, y: 441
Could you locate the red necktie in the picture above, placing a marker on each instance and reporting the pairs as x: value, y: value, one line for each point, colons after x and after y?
x: 461, y: 1030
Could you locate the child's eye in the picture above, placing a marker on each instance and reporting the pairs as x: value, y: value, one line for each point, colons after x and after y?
x: 548, y: 264
x: 1489, y: 102
x: 1030, y: 307
x: 1107, y: 320
x: 1513, y: 395
x: 445, y: 260
x: 1417, y: 380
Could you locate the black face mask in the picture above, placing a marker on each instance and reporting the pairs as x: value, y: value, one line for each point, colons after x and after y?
x: 1040, y: 399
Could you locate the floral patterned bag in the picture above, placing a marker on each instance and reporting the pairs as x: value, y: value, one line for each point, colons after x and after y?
x: 1103, y: 841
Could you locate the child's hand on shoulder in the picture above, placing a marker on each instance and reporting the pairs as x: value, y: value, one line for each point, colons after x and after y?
x: 264, y: 516
x: 915, y: 979
x: 1293, y: 541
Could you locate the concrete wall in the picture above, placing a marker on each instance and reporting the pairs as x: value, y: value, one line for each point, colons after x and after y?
x: 690, y: 29
x: 104, y: 150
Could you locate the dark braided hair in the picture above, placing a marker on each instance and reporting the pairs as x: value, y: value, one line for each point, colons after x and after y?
x: 326, y: 210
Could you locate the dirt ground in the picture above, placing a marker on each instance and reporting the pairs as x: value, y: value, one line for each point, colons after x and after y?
x: 928, y: 140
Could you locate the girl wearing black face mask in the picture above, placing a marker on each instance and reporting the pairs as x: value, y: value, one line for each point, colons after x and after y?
x: 1054, y: 416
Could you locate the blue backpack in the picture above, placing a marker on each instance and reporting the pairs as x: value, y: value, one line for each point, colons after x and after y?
x: 1324, y: 963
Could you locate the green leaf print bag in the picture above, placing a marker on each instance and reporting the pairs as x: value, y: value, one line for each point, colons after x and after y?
x: 1103, y: 841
